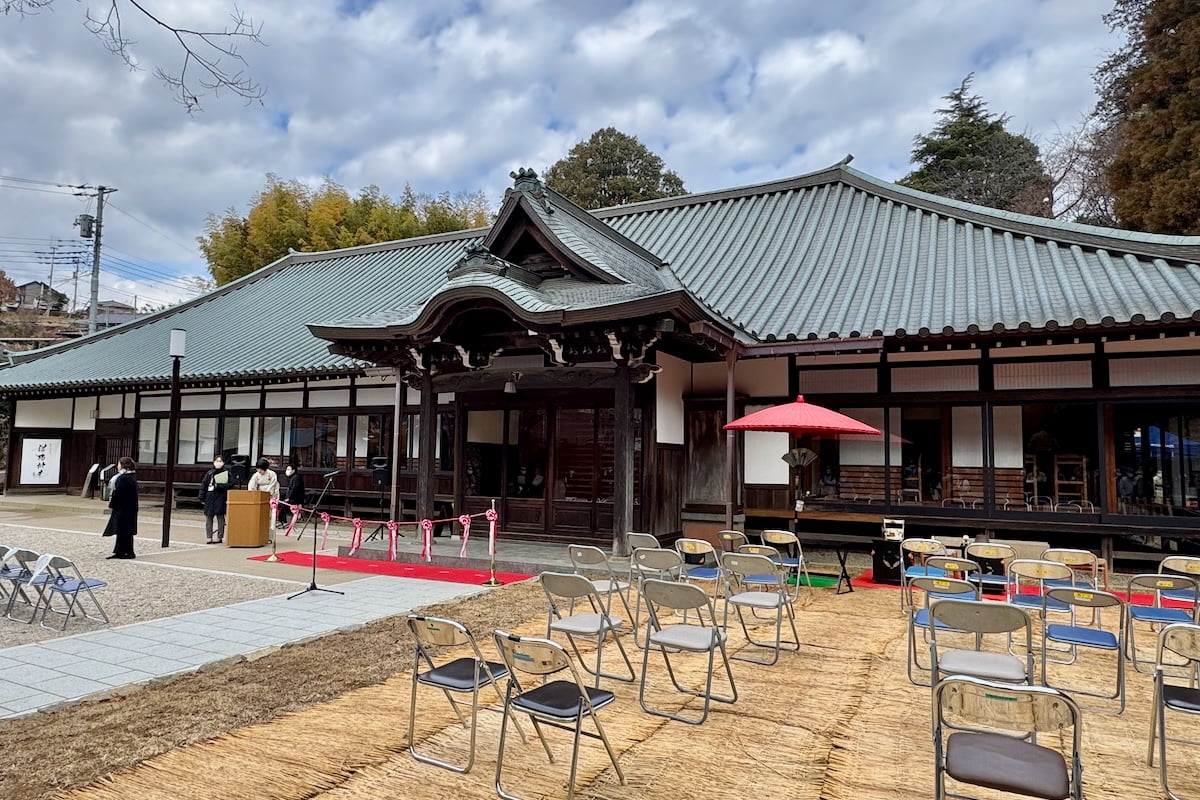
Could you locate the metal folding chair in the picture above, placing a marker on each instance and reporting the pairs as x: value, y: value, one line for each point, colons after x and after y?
x: 731, y: 540
x: 1183, y: 565
x: 981, y: 619
x: 685, y: 638
x: 1075, y: 635
x: 991, y: 556
x: 22, y: 566
x: 61, y: 577
x: 1159, y: 587
x: 953, y: 567
x: 744, y: 590
x: 595, y: 625
x: 1183, y: 640
x: 559, y: 704
x: 586, y: 558
x: 639, y: 541
x: 466, y: 674
x: 916, y: 551
x: 647, y: 563
x: 973, y: 711
x: 918, y: 617
x: 791, y: 556
x: 1085, y: 563
x: 1030, y: 578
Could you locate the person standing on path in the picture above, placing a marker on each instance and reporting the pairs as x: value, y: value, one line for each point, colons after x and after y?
x: 122, y: 522
x: 214, y: 492
x: 264, y: 479
x: 293, y: 494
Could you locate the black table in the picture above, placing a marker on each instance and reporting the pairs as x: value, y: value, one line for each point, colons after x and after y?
x: 840, y: 544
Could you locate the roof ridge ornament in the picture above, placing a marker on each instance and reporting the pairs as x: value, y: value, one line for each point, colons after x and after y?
x: 478, y: 259
x: 526, y: 180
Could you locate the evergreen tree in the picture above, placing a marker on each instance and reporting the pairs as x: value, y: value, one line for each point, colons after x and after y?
x: 611, y: 169
x: 971, y: 156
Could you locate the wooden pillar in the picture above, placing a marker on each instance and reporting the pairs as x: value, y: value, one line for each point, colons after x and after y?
x: 730, y: 438
x: 397, y: 422
x: 426, y: 464
x: 622, y: 457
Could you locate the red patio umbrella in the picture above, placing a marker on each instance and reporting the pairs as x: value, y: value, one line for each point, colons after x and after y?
x: 801, y: 417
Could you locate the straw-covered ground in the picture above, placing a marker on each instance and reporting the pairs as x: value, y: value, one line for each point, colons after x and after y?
x: 328, y: 719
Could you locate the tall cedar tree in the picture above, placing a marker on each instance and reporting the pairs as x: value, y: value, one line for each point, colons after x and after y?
x: 611, y: 169
x: 971, y: 156
x: 289, y: 215
x: 1151, y: 89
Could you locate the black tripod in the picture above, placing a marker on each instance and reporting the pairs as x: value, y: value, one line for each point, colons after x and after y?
x: 312, y: 518
x: 382, y: 526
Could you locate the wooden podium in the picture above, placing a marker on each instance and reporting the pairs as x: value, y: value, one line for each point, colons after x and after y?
x: 249, y: 518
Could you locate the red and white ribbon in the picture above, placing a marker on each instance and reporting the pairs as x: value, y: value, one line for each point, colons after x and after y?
x: 325, y: 518
x: 465, y: 521
x: 292, y: 521
x: 427, y: 539
x: 392, y: 527
x: 356, y: 537
x: 492, y: 516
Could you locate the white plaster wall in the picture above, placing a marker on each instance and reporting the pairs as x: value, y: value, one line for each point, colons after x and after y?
x: 376, y: 395
x: 1008, y: 439
x: 966, y: 436
x: 326, y: 398
x: 285, y: 400
x: 243, y: 400
x: 840, y: 381
x: 156, y: 403
x: 200, y: 402
x: 964, y: 378
x: 44, y: 413
x: 669, y: 387
x: 112, y: 406
x: 85, y: 409
x: 761, y: 377
x: 131, y: 405
x: 869, y: 451
x: 1166, y: 371
x: 708, y: 377
x: 1043, y: 375
x: 762, y: 455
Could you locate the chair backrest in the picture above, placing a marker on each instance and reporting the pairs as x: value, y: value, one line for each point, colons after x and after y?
x: 438, y: 631
x: 1076, y: 559
x: 952, y: 564
x: 944, y: 587
x: 780, y: 538
x: 741, y: 565
x: 566, y: 585
x: 640, y: 540
x: 1084, y: 597
x: 759, y: 550
x: 586, y: 555
x: 531, y: 655
x: 731, y: 540
x: 1186, y: 565
x: 675, y: 596
x: 656, y: 559
x: 694, y: 547
x: 981, y: 618
x: 1026, y: 571
x: 1158, y: 584
x: 925, y: 547
x: 992, y: 551
x: 18, y: 559
x: 1028, y: 709
x: 1182, y: 639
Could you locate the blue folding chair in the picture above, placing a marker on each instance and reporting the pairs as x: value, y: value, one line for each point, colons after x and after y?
x: 1180, y: 589
x: 62, y: 578
x: 1075, y: 635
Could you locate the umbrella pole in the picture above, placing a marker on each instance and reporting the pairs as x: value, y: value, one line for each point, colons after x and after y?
x: 730, y: 437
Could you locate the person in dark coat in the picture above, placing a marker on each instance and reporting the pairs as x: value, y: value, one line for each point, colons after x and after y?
x: 122, y: 522
x: 214, y: 492
x: 293, y: 493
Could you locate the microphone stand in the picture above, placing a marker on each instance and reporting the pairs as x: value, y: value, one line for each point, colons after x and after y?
x: 312, y: 587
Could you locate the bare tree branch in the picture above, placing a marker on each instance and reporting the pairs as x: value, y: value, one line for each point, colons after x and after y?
x: 212, y: 61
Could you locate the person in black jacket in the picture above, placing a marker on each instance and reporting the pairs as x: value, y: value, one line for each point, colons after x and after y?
x: 123, y: 501
x: 293, y: 493
x: 214, y: 491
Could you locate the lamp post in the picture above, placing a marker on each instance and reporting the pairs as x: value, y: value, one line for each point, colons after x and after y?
x: 177, y: 350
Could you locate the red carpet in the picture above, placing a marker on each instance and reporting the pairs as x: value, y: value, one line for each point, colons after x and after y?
x: 428, y: 572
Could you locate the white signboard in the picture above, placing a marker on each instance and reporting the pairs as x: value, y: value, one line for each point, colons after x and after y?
x: 40, y: 461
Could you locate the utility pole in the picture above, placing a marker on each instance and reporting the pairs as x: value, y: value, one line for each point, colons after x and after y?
x: 53, y: 254
x: 101, y: 191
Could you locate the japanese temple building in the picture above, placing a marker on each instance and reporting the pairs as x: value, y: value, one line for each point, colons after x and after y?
x: 1031, y: 377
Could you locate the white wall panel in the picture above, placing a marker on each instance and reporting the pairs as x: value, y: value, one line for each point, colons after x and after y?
x: 200, y: 402
x: 669, y: 387
x: 761, y: 377
x: 243, y: 400
x: 112, y: 406
x: 1043, y: 375
x: 839, y: 381
x: 376, y: 395
x: 155, y: 403
x: 762, y: 455
x: 966, y: 432
x: 1154, y: 371
x: 868, y: 451
x: 45, y: 413
x: 1008, y: 440
x: 329, y: 398
x: 284, y: 400
x: 962, y: 378
x: 85, y: 414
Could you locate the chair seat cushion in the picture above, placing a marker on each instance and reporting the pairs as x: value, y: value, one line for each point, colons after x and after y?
x: 988, y: 579
x: 72, y: 585
x: 917, y: 571
x: 1010, y: 765
x: 921, y: 620
x: 980, y: 664
x: 560, y: 699
x: 703, y: 573
x: 585, y: 624
x: 1182, y: 698
x: 459, y: 675
x: 687, y: 637
x: 1088, y: 637
x: 604, y: 585
x: 757, y: 599
x: 1153, y: 614
x: 1035, y: 601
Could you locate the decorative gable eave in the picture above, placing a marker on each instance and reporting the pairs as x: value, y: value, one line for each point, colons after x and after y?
x: 478, y: 260
x: 518, y: 217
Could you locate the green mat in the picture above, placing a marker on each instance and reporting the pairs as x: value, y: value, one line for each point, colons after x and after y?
x: 817, y: 581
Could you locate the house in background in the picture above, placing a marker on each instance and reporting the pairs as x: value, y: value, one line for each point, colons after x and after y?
x: 39, y: 296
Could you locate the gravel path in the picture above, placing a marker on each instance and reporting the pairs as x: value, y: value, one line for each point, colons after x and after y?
x: 137, y: 590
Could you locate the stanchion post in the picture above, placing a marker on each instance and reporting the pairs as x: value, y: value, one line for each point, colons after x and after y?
x: 492, y: 581
x: 273, y: 558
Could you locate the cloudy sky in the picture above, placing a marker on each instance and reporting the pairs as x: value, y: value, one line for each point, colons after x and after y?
x: 453, y: 94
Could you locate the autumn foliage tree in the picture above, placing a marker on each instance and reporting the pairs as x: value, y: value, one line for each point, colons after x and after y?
x: 289, y: 215
x: 612, y: 168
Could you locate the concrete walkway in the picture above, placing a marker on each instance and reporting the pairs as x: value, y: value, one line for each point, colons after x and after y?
x: 34, y: 677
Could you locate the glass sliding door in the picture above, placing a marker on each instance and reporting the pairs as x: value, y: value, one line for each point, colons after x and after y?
x: 1157, y: 458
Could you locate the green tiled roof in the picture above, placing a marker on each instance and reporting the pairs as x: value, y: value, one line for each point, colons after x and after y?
x: 832, y: 253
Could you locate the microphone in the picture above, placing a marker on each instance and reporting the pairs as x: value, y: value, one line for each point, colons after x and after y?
x: 333, y: 474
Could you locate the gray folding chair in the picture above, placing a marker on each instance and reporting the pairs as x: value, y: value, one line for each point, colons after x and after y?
x: 1184, y: 565
x: 744, y: 589
x: 990, y: 555
x: 731, y: 540
x: 1183, y: 640
x: 22, y: 566
x: 982, y: 619
x: 466, y: 674
x: 1084, y: 563
x: 919, y: 617
x: 585, y: 559
x: 61, y: 577
x: 791, y: 556
x: 683, y: 638
x: 1076, y: 635
x: 645, y: 563
x: 969, y: 747
x: 559, y: 704
x: 639, y: 540
x: 916, y: 551
x: 595, y: 625
x: 1182, y: 590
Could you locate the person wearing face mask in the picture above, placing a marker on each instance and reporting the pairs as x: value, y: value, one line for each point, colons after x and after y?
x: 123, y: 501
x: 293, y: 493
x: 214, y: 492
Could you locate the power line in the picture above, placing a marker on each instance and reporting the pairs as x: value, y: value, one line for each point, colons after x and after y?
x: 149, y: 227
x: 40, y: 183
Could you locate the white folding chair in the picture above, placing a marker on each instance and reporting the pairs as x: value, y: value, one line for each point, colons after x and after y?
x: 791, y: 556
x: 656, y: 562
x: 587, y: 558
x: 919, y: 617
x: 982, y: 619
x: 1183, y: 640
x: 595, y: 625
x: 744, y: 589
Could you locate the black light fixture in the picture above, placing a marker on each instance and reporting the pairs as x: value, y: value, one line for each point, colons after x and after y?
x: 510, y: 385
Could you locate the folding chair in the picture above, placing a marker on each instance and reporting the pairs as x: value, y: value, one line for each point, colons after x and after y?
x: 1159, y: 587
x: 700, y: 573
x: 917, y: 550
x: 981, y: 619
x: 975, y: 753
x: 1182, y: 639
x: 1094, y: 636
x: 1183, y: 565
x: 743, y: 567
x: 731, y: 540
x: 22, y: 565
x: 953, y: 567
x: 585, y: 558
x: 61, y: 577
x: 1030, y: 578
x: 639, y: 541
x: 932, y: 588
x: 987, y: 554
x: 686, y: 638
x: 460, y: 676
x: 557, y: 704
x: 597, y: 624
x: 792, y: 555
x: 652, y: 563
